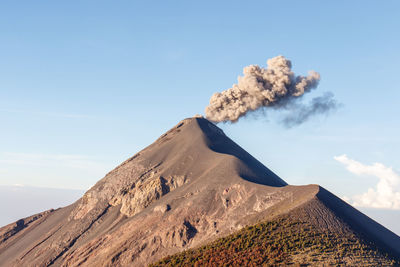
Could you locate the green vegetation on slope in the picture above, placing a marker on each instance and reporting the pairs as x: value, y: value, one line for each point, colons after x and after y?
x: 284, y: 241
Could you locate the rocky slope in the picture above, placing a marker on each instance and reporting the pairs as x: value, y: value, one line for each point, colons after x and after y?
x: 190, y: 187
x: 297, y: 238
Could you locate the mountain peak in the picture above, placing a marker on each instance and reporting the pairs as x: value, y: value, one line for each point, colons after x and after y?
x: 194, y: 151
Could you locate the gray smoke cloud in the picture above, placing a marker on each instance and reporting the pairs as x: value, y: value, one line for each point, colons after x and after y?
x: 300, y: 113
x: 275, y: 86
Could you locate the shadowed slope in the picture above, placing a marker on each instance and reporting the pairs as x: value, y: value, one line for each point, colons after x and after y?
x: 255, y: 171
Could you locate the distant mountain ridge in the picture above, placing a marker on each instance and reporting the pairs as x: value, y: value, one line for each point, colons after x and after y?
x: 190, y: 187
x: 27, y: 200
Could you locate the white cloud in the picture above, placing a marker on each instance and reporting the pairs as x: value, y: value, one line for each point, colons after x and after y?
x: 386, y: 193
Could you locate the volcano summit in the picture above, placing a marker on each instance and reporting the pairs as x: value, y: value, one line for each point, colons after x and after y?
x: 194, y: 188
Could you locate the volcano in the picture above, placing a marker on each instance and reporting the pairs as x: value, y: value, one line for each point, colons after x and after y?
x: 192, y: 187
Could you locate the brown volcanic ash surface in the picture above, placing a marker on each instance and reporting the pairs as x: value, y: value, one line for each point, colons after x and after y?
x: 190, y: 187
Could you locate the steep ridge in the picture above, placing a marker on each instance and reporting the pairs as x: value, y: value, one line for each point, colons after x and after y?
x: 191, y: 186
x: 360, y: 223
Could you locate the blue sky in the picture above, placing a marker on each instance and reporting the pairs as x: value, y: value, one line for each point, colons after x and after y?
x: 86, y: 84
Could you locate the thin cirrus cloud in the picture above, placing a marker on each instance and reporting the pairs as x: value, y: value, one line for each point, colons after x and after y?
x: 385, y: 194
x: 49, y: 114
x: 67, y: 160
x: 52, y: 170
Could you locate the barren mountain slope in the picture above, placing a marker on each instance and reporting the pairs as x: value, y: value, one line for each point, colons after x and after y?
x: 191, y: 186
x: 311, y: 234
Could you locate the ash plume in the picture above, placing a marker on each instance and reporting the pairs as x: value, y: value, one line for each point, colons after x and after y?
x: 275, y: 86
x: 300, y: 113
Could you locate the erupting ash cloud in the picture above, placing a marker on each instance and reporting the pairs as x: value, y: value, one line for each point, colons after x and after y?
x: 275, y: 86
x: 300, y: 113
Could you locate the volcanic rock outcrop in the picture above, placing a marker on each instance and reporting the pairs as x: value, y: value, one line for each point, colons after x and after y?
x: 191, y: 186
